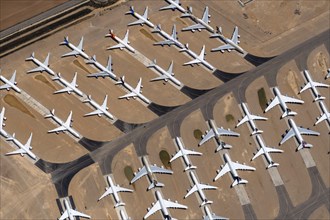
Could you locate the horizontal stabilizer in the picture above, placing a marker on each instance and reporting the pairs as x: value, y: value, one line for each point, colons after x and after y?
x: 119, y: 204
x: 155, y: 184
x: 239, y: 181
x: 304, y: 144
x: 272, y: 165
x: 288, y: 112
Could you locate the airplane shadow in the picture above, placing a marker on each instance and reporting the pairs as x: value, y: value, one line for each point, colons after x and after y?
x: 193, y: 93
x: 125, y: 126
x: 224, y: 76
x: 90, y: 144
x: 160, y: 109
x: 255, y: 60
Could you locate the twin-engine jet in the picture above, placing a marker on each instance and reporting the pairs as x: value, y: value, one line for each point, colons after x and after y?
x: 100, y: 109
x: 76, y: 50
x: 2, y: 124
x: 114, y: 189
x: 312, y: 85
x: 230, y: 44
x: 133, y: 92
x: 162, y: 205
x: 123, y: 43
x: 166, y: 74
x: 250, y: 119
x: 64, y: 126
x: 170, y: 39
x: 216, y: 133
x: 11, y: 83
x: 231, y: 167
x: 41, y: 66
x: 105, y: 71
x: 198, y: 59
x: 69, y: 87
x: 142, y: 19
x: 174, y: 4
x: 282, y: 100
x: 200, y: 23
x: 71, y: 213
x: 24, y: 148
x: 296, y: 131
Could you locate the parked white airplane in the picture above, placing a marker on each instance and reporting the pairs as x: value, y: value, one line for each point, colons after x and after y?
x: 312, y: 85
x: 200, y: 23
x: 114, y: 189
x: 123, y: 215
x: 75, y: 50
x: 328, y: 74
x: 297, y: 132
x: 123, y: 43
x: 105, y: 71
x: 10, y: 83
x: 41, y: 66
x: 231, y: 167
x: 69, y: 87
x: 266, y: 150
x: 324, y: 116
x: 174, y: 4
x: 170, y: 39
x: 163, y: 205
x: 149, y: 170
x: 216, y: 133
x: 100, y: 109
x: 199, y: 59
x: 282, y: 100
x: 64, y: 126
x: 142, y: 19
x: 166, y: 75
x: 183, y: 153
x: 199, y: 187
x: 230, y: 44
x: 250, y: 119
x: 71, y: 213
x: 2, y: 124
x: 211, y: 216
x: 133, y: 92
x: 24, y: 148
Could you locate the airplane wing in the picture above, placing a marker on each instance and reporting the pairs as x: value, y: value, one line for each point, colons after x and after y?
x: 191, y: 152
x: 208, y: 136
x: 64, y: 215
x: 6, y: 86
x: 154, y: 209
x: 223, y: 171
x: 12, y: 79
x: 76, y: 213
x: 139, y: 174
x: 96, y: 112
x: 59, y: 129
x: 307, y: 86
x: 80, y: 46
x: 273, y: 104
x: 256, y: 117
x: 162, y: 77
x: 165, y: 42
x: 245, y: 119
x: 292, y: 100
x: 173, y: 205
x: 322, y: 118
x: 122, y: 189
x: 129, y: 95
x: 223, y: 47
x: 107, y: 192
x: 317, y: 84
x: 66, y: 89
x: 238, y: 166
x: 307, y: 131
x: 138, y: 86
x: 156, y: 169
x: 288, y: 135
x: 19, y: 151
x: 72, y: 53
x: 98, y: 74
x: 171, y: 6
x: 225, y: 132
x: 205, y: 17
x: 204, y: 186
x: 267, y: 149
x: 193, y: 27
x: 140, y: 21
x: 176, y: 156
x: 38, y: 69
x: 191, y: 191
x: 195, y: 61
x: 118, y: 46
x: 234, y: 37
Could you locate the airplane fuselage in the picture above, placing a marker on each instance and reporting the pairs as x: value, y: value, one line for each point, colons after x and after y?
x: 162, y: 205
x: 202, y: 61
x: 47, y: 69
x: 199, y: 190
x: 129, y: 88
x: 12, y: 85
x: 200, y: 21
x: 123, y: 215
x: 232, y: 170
x: 97, y: 106
x: 146, y: 21
x: 68, y: 209
x: 170, y: 38
x: 128, y: 47
x: 73, y: 88
x: 278, y: 94
x: 232, y: 43
x: 181, y: 148
x: 262, y: 144
x: 170, y: 77
x: 215, y: 131
x: 250, y: 120
x: 325, y: 111
x: 82, y: 53
x: 104, y: 69
x: 296, y: 131
x: 115, y: 194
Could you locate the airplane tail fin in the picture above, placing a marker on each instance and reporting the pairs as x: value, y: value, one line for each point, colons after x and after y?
x: 66, y: 41
x: 121, y: 80
x: 119, y: 204
x: 257, y: 131
x: 190, y: 167
x: 304, y: 144
x: 185, y: 48
x: 206, y: 202
x: 51, y: 114
x: 318, y: 98
x: 223, y: 145
x: 238, y: 180
x: 131, y: 10
x: 31, y: 57
x: 288, y: 112
x: 188, y: 13
x: 272, y: 164
x: 218, y: 32
x: 91, y: 60
x: 57, y: 76
x: 152, y: 64
x: 88, y: 99
x: 157, y: 29
x: 155, y: 184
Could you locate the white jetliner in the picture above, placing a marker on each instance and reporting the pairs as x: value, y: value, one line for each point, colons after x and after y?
x: 216, y: 133
x: 133, y: 92
x: 71, y: 213
x: 75, y: 50
x: 166, y: 75
x: 199, y: 59
x: 100, y: 109
x: 266, y: 150
x: 123, y: 43
x: 250, y: 119
x: 114, y: 189
x: 324, y: 116
x: 211, y: 216
x: 149, y: 170
x: 282, y: 100
x: 297, y: 132
x: 328, y: 74
x: 174, y: 4
x: 183, y: 153
x: 200, y: 23
x: 123, y: 215
x: 105, y: 71
x: 199, y: 187
x: 2, y: 124
x: 163, y: 205
x: 69, y: 87
x: 10, y: 83
x: 312, y: 85
x: 24, y: 148
x: 230, y: 44
x: 170, y: 39
x: 142, y: 19
x: 64, y: 126
x: 231, y: 167
x: 41, y: 66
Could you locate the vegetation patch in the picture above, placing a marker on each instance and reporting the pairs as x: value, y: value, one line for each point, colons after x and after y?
x: 81, y: 66
x: 230, y: 118
x: 165, y: 158
x: 262, y: 99
x: 43, y: 79
x: 13, y: 102
x: 198, y: 134
x: 148, y: 35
